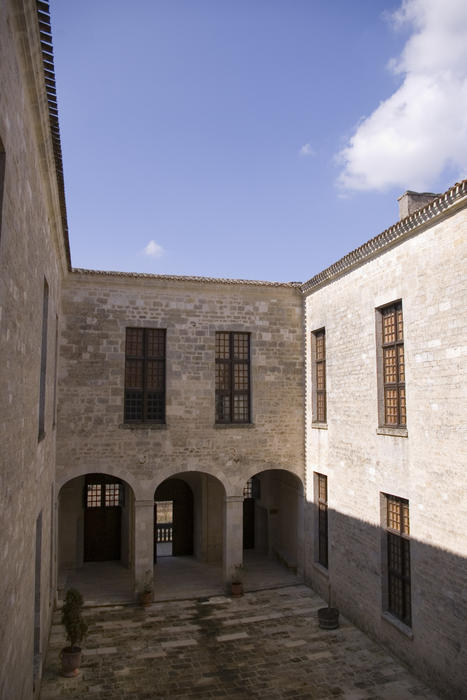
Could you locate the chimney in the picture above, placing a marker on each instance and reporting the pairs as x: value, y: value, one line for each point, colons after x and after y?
x: 409, y: 202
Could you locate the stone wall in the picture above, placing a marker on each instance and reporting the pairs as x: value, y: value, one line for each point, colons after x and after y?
x: 427, y: 467
x: 92, y: 436
x: 30, y: 250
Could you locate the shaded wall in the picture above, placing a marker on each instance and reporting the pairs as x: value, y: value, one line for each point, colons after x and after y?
x: 31, y: 250
x: 424, y: 463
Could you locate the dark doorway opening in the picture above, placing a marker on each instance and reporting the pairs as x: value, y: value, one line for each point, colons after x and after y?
x: 180, y: 495
x: 103, y: 501
x: 251, y: 492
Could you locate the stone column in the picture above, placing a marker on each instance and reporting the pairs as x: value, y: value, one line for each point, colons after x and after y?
x: 233, y: 536
x: 144, y: 541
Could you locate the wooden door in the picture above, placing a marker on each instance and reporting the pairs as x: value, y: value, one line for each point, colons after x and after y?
x: 248, y: 523
x: 102, y: 518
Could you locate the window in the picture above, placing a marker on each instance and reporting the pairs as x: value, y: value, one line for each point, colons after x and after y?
x: 145, y: 375
x: 232, y: 377
x: 252, y: 488
x: 43, y: 369
x: 398, y: 558
x: 55, y: 373
x: 2, y: 180
x: 318, y: 349
x: 102, y: 492
x: 321, y: 485
x: 393, y: 413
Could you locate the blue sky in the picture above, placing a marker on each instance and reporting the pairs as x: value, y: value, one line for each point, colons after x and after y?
x: 258, y: 139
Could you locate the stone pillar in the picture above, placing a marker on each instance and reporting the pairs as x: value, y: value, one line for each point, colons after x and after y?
x: 233, y: 536
x: 144, y: 541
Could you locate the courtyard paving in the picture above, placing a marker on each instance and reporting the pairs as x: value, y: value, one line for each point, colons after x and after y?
x: 266, y: 644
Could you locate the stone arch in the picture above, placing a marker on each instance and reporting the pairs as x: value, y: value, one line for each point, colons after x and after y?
x: 64, y: 476
x: 95, y: 521
x: 182, y: 473
x: 273, y: 515
x: 207, y: 518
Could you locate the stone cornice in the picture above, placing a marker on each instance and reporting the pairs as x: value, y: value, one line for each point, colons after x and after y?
x: 76, y: 271
x: 45, y: 35
x: 455, y: 197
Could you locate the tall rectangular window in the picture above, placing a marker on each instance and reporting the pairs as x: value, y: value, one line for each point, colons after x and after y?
x: 43, y: 370
x: 232, y: 377
x: 2, y: 181
x: 55, y: 373
x: 145, y: 375
x: 398, y: 558
x: 393, y: 368
x: 321, y: 484
x: 318, y: 350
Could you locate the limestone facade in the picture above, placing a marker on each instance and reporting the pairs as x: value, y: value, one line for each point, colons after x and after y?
x: 92, y: 435
x: 424, y: 463
x: 32, y: 257
x: 62, y: 389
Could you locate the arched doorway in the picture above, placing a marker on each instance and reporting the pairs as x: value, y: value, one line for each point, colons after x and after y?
x: 96, y: 521
x: 273, y: 517
x: 103, y: 504
x: 173, y: 498
x: 198, y: 502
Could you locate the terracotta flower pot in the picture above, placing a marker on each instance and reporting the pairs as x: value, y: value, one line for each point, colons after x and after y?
x: 145, y: 598
x: 237, y: 589
x: 71, y: 661
x: 328, y: 618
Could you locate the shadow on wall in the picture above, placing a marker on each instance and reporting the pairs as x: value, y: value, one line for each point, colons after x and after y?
x: 365, y: 588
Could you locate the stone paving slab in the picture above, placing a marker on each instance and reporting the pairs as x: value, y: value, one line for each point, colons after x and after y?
x: 265, y: 645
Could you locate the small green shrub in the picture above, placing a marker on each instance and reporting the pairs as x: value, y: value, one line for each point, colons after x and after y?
x: 72, y: 618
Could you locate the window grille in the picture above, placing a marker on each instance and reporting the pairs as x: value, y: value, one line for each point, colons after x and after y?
x: 398, y: 558
x: 323, y: 520
x: 232, y: 377
x: 319, y: 376
x: 393, y: 366
x: 252, y: 488
x: 101, y: 492
x: 145, y: 375
x: 43, y: 369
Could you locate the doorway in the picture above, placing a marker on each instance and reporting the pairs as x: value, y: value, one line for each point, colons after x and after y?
x: 251, y: 492
x: 103, y: 501
x: 163, y: 518
x: 180, y: 530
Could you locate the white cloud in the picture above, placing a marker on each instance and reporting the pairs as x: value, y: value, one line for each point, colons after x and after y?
x: 154, y: 250
x: 307, y: 150
x: 421, y: 129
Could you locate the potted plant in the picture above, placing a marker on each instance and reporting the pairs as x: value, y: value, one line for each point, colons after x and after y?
x: 237, y: 582
x: 145, y: 596
x: 76, y: 629
x: 328, y: 618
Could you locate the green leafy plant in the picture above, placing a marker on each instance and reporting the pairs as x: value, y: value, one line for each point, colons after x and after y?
x: 72, y: 618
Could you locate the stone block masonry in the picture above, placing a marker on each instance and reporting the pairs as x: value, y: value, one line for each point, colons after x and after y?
x: 91, y: 435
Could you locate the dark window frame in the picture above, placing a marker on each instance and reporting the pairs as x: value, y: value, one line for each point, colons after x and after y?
x: 105, y: 497
x: 392, y: 359
x: 2, y: 180
x: 145, y: 404
x: 323, y: 531
x: 397, y: 526
x: 319, y: 385
x: 43, y: 362
x: 225, y: 397
x: 252, y: 488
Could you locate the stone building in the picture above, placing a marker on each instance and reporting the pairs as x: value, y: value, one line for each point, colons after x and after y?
x: 323, y: 422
